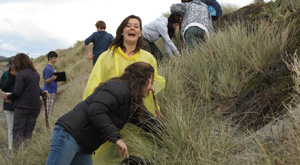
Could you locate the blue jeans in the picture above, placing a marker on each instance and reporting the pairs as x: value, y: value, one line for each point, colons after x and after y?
x: 64, y: 149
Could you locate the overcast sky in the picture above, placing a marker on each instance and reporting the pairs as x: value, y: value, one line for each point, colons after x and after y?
x: 36, y: 27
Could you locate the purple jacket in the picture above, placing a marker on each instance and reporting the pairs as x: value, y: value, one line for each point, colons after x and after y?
x: 26, y: 93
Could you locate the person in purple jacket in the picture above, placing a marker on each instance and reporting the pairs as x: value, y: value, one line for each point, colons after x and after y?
x: 100, y: 39
x: 49, y: 81
x: 26, y: 99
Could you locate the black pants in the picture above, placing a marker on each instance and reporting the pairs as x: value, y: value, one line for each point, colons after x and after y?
x: 153, y: 49
x: 24, y: 123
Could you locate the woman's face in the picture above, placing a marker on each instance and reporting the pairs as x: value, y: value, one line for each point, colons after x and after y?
x: 148, y: 87
x: 132, y: 31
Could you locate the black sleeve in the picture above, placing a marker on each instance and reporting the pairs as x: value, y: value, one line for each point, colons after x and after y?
x: 106, y: 102
x: 6, y: 83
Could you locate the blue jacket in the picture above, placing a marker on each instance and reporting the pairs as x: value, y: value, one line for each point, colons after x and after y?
x: 101, y: 41
x: 7, y: 84
x: 215, y: 5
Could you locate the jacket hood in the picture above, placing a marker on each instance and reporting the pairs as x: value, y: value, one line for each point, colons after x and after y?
x: 100, y: 34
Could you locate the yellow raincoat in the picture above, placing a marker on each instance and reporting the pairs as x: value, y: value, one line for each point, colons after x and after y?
x: 108, y: 66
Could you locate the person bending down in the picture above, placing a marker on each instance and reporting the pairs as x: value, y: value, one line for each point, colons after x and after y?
x: 101, y: 116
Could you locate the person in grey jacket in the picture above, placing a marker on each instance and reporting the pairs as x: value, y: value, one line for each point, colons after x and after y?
x: 161, y: 27
x: 101, y: 116
x: 197, y: 21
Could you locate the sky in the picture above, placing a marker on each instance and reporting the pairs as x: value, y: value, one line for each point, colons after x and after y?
x: 36, y: 27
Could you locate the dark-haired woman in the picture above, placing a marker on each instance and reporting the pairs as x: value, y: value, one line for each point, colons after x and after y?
x: 161, y: 27
x: 26, y: 99
x: 125, y: 50
x: 101, y: 116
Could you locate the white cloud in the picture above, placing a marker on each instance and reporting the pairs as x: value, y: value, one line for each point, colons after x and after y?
x: 8, y: 47
x: 51, y: 24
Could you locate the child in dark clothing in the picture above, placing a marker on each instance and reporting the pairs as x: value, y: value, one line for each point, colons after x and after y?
x: 7, y: 86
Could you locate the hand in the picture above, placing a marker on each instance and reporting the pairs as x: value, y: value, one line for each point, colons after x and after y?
x: 53, y: 77
x: 91, y: 56
x: 4, y: 95
x: 153, y: 90
x: 46, y: 93
x: 6, y: 99
x: 122, y: 148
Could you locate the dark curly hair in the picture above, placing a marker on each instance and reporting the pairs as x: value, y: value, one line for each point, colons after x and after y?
x: 22, y: 61
x: 137, y: 77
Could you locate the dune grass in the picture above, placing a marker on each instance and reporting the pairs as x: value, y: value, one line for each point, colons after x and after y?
x: 199, y: 85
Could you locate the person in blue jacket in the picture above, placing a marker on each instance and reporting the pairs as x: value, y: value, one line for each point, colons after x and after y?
x: 214, y: 8
x: 101, y: 41
x: 7, y: 83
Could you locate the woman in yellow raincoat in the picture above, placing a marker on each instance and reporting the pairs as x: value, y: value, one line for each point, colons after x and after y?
x: 125, y: 50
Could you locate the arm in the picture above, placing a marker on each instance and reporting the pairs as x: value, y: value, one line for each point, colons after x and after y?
x: 6, y: 82
x: 19, y: 87
x: 168, y: 44
x: 104, y: 108
x: 91, y: 56
x: 87, y: 42
x: 48, y: 75
x: 49, y: 80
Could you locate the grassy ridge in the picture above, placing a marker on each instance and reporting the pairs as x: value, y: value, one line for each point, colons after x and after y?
x: 201, y: 86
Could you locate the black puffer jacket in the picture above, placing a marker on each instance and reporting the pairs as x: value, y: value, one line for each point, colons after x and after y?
x: 102, y: 115
x: 7, y: 84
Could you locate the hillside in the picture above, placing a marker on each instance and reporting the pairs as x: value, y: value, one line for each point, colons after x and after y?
x: 233, y: 100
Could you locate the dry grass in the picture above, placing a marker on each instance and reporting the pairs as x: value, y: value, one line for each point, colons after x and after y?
x: 197, y: 85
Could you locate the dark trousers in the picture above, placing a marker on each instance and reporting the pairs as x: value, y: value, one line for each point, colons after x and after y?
x: 95, y: 60
x: 153, y: 49
x: 24, y: 123
x: 194, y: 35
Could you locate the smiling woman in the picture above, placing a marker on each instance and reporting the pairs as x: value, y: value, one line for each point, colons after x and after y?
x: 125, y: 50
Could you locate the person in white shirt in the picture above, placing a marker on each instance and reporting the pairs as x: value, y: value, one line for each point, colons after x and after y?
x: 161, y: 27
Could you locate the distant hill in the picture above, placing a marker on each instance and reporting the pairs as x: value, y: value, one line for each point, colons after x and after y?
x: 2, y: 59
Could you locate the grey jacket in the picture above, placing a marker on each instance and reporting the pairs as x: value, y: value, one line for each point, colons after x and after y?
x: 159, y: 28
x: 195, y: 13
